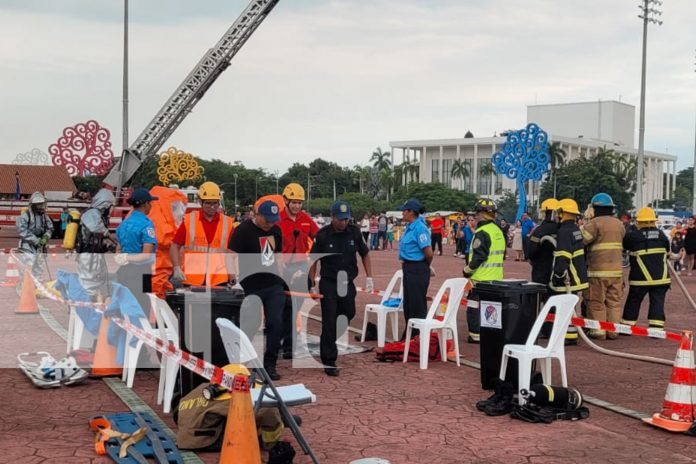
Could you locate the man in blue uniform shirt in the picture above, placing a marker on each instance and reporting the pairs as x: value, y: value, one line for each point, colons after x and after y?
x: 136, y: 249
x: 415, y: 254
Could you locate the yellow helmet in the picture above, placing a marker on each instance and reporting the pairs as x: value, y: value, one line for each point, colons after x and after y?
x: 550, y: 204
x: 646, y: 215
x: 294, y: 191
x: 569, y: 206
x: 209, y: 191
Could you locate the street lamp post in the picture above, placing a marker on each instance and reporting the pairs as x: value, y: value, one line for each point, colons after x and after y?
x: 693, y: 173
x: 235, y: 195
x: 648, y: 13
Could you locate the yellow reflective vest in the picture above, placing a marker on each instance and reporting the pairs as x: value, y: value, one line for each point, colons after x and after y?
x: 648, y: 250
x: 492, y: 267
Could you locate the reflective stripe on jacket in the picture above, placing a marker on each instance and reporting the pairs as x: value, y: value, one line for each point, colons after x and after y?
x: 492, y: 268
x: 603, y: 236
x: 569, y: 259
x: 204, y: 263
x: 648, y: 250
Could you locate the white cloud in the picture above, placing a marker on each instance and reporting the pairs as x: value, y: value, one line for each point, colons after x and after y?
x: 338, y: 78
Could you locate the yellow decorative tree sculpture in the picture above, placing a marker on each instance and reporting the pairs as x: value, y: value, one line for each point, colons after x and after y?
x: 177, y: 166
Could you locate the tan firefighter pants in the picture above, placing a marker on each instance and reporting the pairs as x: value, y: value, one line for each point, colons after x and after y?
x: 603, y: 298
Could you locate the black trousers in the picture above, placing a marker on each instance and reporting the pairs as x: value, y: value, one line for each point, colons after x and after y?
x: 636, y: 293
x: 416, y: 283
x: 332, y: 325
x: 138, y: 279
x: 473, y: 315
x: 273, y: 301
x: 436, y: 241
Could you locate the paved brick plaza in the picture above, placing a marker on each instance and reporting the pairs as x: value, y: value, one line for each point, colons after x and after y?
x: 393, y: 411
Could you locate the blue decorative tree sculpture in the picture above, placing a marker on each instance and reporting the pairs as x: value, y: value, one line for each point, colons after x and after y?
x: 523, y: 157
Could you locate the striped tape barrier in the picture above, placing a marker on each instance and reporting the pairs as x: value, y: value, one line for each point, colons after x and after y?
x: 622, y: 328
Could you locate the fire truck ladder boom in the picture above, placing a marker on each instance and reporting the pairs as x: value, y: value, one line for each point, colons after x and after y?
x: 191, y: 90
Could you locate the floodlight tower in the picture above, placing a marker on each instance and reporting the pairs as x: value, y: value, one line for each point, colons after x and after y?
x: 649, y: 12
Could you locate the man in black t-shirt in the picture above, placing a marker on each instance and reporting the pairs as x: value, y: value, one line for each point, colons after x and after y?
x: 258, y: 243
x: 339, y: 241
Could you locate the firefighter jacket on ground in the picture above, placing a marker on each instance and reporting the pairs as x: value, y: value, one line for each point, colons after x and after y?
x: 487, y: 253
x: 603, y: 237
x: 203, y: 262
x: 569, y: 268
x: 32, y: 227
x: 648, y: 249
x: 542, y: 244
x: 92, y: 243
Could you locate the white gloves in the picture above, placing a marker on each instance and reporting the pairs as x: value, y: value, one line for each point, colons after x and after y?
x: 369, y: 284
x: 432, y: 271
x: 121, y: 259
x: 298, y: 274
x: 178, y: 275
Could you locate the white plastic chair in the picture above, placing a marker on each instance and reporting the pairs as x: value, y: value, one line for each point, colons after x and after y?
x: 455, y: 289
x: 168, y: 330
x: 240, y: 350
x: 75, y: 330
x: 130, y: 358
x: 383, y: 311
x: 555, y: 348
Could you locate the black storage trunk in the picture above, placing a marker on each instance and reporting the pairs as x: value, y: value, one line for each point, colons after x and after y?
x: 198, y: 333
x: 509, y: 319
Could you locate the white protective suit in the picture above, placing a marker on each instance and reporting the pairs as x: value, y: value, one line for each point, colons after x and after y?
x: 34, y: 228
x: 92, y: 244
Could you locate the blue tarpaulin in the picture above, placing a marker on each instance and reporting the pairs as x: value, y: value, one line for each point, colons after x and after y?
x: 123, y: 303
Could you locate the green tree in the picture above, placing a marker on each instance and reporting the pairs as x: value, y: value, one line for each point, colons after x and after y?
x: 381, y: 160
x: 556, y: 160
x: 507, y: 206
x: 459, y: 170
x: 89, y: 184
x: 435, y: 197
x: 487, y: 172
x: 583, y: 177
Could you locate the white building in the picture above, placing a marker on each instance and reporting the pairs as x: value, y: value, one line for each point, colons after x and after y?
x: 580, y: 128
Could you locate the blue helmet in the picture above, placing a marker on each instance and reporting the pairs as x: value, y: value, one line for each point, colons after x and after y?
x: 602, y: 199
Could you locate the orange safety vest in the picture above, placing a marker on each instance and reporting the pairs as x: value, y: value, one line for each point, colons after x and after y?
x: 204, y: 263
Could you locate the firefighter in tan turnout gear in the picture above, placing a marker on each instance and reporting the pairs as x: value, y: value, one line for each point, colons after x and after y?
x: 569, y: 268
x: 603, y: 236
x: 648, y: 248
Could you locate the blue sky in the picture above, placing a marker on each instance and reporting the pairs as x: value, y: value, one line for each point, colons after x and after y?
x: 335, y: 79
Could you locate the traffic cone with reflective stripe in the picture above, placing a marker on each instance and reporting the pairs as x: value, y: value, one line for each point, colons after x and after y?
x: 241, y: 442
x: 11, y: 274
x: 27, y: 302
x: 677, y: 413
x: 105, y: 363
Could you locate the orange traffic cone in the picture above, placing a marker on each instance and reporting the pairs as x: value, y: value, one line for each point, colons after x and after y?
x: 241, y: 443
x: 104, y: 364
x: 27, y: 302
x: 677, y: 413
x: 11, y: 274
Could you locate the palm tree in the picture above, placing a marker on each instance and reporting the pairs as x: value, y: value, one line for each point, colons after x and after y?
x: 556, y: 160
x: 486, y: 170
x: 381, y: 160
x: 459, y: 171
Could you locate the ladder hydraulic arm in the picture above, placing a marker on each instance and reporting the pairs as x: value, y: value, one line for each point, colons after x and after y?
x: 191, y: 90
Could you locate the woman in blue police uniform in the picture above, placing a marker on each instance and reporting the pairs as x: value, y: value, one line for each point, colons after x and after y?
x: 415, y: 254
x: 136, y: 249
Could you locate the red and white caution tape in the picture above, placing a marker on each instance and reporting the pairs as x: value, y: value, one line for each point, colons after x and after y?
x: 193, y: 363
x: 200, y: 366
x: 625, y: 329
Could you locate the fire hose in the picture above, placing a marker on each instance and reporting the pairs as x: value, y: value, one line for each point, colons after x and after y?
x: 637, y: 357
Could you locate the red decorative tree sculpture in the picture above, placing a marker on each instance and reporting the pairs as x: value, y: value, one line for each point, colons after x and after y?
x: 84, y: 149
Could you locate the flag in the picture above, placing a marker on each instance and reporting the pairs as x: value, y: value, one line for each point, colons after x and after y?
x: 18, y: 191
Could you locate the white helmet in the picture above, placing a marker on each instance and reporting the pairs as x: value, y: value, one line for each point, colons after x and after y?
x: 37, y: 198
